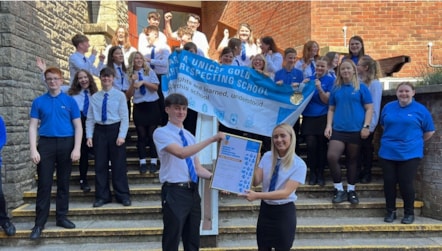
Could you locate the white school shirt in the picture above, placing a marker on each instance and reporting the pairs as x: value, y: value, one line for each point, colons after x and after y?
x: 161, y: 59
x: 296, y: 172
x: 149, y: 96
x: 173, y: 169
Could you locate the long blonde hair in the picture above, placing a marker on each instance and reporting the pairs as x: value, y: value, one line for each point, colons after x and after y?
x: 354, y: 79
x: 130, y: 68
x: 373, y: 69
x: 287, y: 160
x: 251, y: 39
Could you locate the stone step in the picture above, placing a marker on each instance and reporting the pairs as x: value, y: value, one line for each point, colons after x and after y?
x: 229, y: 209
x: 147, y: 186
x: 315, y: 233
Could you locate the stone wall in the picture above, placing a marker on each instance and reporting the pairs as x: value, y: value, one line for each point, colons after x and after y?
x: 30, y: 29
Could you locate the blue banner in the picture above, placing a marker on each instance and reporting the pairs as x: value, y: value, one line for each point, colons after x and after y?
x: 240, y: 97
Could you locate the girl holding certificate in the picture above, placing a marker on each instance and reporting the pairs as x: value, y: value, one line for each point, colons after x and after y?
x: 280, y: 172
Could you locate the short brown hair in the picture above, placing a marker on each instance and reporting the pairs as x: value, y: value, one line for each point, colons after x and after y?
x: 175, y: 99
x: 79, y: 38
x: 153, y: 14
x: 151, y: 28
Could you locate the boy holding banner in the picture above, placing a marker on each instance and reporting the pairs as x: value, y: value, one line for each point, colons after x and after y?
x: 179, y: 173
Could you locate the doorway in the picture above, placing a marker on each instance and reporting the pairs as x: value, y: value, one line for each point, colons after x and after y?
x: 138, y: 11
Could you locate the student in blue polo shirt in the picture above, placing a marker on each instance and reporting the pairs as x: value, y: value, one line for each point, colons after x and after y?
x: 314, y: 120
x: 60, y: 133
x: 5, y: 222
x: 348, y: 120
x: 407, y: 125
x: 289, y: 75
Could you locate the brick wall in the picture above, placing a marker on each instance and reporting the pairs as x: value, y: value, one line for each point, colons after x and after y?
x: 389, y: 28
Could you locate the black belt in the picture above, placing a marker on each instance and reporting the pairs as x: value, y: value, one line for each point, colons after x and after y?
x: 187, y: 185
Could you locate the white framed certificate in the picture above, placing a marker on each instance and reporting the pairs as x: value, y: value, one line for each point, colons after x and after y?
x: 235, y: 164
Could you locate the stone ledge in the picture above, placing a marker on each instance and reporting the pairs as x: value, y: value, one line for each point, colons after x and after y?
x: 95, y: 29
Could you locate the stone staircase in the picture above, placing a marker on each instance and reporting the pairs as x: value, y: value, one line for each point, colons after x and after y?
x: 321, y: 224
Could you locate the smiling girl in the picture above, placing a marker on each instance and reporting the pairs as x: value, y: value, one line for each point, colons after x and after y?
x: 348, y: 120
x: 280, y: 172
x: 83, y: 87
x: 314, y: 120
x: 146, y: 112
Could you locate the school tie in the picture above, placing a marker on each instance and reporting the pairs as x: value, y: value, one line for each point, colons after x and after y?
x: 86, y: 103
x: 192, y: 172
x: 122, y: 77
x: 243, y: 51
x: 84, y: 59
x: 142, y: 88
x: 313, y: 68
x: 104, y: 108
x: 152, y: 56
x: 274, y: 176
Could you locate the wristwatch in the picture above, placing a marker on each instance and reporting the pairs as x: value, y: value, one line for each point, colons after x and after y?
x: 366, y: 126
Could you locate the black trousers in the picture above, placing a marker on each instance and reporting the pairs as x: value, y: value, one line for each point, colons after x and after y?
x: 3, y: 211
x: 402, y: 173
x: 366, y: 157
x: 105, y: 147
x: 181, y: 217
x: 55, y: 153
x: 85, y: 150
x: 164, y: 116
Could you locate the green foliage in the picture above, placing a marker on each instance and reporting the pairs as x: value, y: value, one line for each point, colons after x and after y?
x: 433, y: 78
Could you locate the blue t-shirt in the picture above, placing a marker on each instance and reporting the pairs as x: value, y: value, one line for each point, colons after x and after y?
x: 404, y: 128
x: 55, y: 115
x: 316, y: 107
x: 349, y: 104
x: 289, y: 77
x: 2, y: 138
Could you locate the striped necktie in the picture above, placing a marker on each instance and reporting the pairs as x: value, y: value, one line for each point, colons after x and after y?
x: 192, y: 172
x: 122, y: 77
x: 243, y: 51
x: 104, y: 108
x: 142, y: 88
x: 86, y: 103
x: 152, y: 56
x: 274, y: 176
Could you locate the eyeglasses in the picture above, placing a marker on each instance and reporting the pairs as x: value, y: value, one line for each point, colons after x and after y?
x: 52, y: 79
x: 192, y: 22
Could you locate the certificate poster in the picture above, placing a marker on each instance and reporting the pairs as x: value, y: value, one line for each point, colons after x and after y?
x: 235, y: 164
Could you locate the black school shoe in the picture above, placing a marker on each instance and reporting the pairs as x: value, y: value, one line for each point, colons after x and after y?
x: 390, y: 217
x: 340, y: 196
x: 352, y: 197
x: 9, y: 228
x: 408, y: 219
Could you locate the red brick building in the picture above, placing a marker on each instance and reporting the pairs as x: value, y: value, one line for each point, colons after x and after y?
x: 389, y: 28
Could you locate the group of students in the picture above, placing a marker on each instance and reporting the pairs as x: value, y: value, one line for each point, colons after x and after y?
x: 341, y: 117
